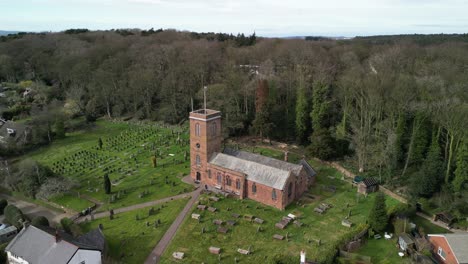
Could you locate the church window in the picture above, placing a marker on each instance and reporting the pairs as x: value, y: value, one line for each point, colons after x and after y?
x: 238, y: 185
x: 273, y: 194
x: 219, y: 178
x: 197, y: 160
x: 209, y: 174
x: 228, y: 181
x: 290, y: 189
x: 254, y: 188
x: 197, y: 129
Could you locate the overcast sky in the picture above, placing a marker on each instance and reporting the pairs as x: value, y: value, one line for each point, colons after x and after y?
x: 265, y: 17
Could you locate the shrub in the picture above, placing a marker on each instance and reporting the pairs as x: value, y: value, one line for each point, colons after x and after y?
x: 3, y: 204
x: 66, y: 224
x: 40, y: 221
x: 13, y: 215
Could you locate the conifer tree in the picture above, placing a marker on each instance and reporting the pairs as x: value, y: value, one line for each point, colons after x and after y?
x: 461, y: 172
x: 107, y: 184
x: 378, y: 218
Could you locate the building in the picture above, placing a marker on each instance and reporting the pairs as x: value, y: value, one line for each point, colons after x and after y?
x: 46, y: 245
x: 405, y: 242
x: 13, y: 133
x: 450, y: 248
x: 242, y: 174
x: 368, y: 185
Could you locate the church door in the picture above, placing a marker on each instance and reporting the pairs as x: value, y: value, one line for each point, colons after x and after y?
x: 198, y: 176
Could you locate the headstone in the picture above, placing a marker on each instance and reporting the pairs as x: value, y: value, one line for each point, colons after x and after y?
x: 258, y: 221
x: 214, y: 250
x: 178, y: 255
x: 196, y: 216
x: 278, y: 237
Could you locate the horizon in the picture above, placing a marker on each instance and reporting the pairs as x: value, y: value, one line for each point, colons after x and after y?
x: 336, y: 18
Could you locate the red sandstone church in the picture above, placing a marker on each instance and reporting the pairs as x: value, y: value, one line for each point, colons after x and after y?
x: 242, y: 174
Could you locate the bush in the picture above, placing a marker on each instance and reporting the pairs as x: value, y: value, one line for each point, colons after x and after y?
x: 40, y: 221
x: 3, y: 204
x: 66, y: 224
x: 13, y: 215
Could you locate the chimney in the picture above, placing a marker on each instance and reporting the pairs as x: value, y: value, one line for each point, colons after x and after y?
x: 303, y: 257
x: 57, y: 236
x: 286, y: 156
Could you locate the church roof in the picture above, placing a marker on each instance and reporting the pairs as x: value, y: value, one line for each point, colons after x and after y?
x: 264, y: 170
x: 256, y: 172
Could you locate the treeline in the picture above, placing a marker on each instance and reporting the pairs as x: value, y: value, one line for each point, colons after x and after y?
x: 395, y: 109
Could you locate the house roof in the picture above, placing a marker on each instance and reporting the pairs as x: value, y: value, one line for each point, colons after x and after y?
x: 264, y: 170
x: 459, y: 245
x: 40, y: 246
x: 370, y: 181
x: 405, y: 237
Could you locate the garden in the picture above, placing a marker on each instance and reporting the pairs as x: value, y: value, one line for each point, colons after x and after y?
x: 143, y: 160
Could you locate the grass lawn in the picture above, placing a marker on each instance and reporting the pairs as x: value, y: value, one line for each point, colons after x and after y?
x: 125, y: 156
x: 326, y: 227
x: 382, y: 251
x: 131, y: 241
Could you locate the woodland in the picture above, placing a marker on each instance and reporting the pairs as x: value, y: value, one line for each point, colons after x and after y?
x: 391, y: 107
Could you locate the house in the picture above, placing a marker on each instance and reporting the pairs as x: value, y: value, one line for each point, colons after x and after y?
x: 46, y: 245
x: 450, y: 248
x: 368, y: 185
x: 242, y: 174
x: 405, y: 242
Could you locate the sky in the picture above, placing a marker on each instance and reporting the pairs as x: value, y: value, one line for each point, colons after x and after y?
x: 268, y: 18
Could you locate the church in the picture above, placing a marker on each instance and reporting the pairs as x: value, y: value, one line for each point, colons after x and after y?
x: 242, y: 174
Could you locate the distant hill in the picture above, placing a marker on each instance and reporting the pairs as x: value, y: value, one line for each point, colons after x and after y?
x: 6, y: 32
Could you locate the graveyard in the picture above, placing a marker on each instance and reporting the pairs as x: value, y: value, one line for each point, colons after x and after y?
x: 249, y: 232
x: 132, y: 235
x: 144, y: 160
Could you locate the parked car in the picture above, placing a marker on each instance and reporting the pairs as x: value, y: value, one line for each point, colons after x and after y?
x: 3, y: 226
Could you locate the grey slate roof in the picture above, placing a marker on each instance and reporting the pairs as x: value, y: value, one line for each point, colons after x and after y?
x: 94, y: 238
x: 260, y: 169
x: 459, y: 245
x: 255, y: 172
x: 38, y: 246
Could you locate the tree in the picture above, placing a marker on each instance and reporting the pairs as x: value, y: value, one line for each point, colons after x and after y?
x: 13, y: 215
x: 461, y: 172
x: 40, y: 221
x: 107, y: 184
x: 322, y: 144
x: 301, y: 111
x: 427, y: 179
x: 59, y: 127
x: 100, y: 143
x: 320, y: 105
x: 3, y: 204
x: 378, y: 218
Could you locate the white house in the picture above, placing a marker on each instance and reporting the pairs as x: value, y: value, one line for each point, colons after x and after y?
x: 34, y: 245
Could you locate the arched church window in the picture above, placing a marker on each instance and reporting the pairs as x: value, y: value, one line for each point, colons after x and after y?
x: 254, y: 188
x: 273, y: 194
x: 197, y: 160
x: 238, y: 185
x: 228, y: 181
x: 213, y: 128
x: 219, y: 178
x: 290, y: 189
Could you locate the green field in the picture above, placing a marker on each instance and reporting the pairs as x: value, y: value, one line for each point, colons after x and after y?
x: 327, y: 227
x: 125, y: 156
x: 130, y: 240
x: 382, y: 251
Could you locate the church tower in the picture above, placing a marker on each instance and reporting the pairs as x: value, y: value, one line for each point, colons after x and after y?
x: 205, y: 139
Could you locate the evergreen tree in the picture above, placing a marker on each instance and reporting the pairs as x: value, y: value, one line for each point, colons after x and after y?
x: 100, y: 143
x: 107, y: 184
x: 461, y: 172
x: 59, y: 127
x: 322, y: 144
x: 301, y: 112
x: 378, y: 218
x: 426, y: 180
x: 320, y: 105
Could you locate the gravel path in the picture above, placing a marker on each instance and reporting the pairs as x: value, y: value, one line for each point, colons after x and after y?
x: 155, y: 255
